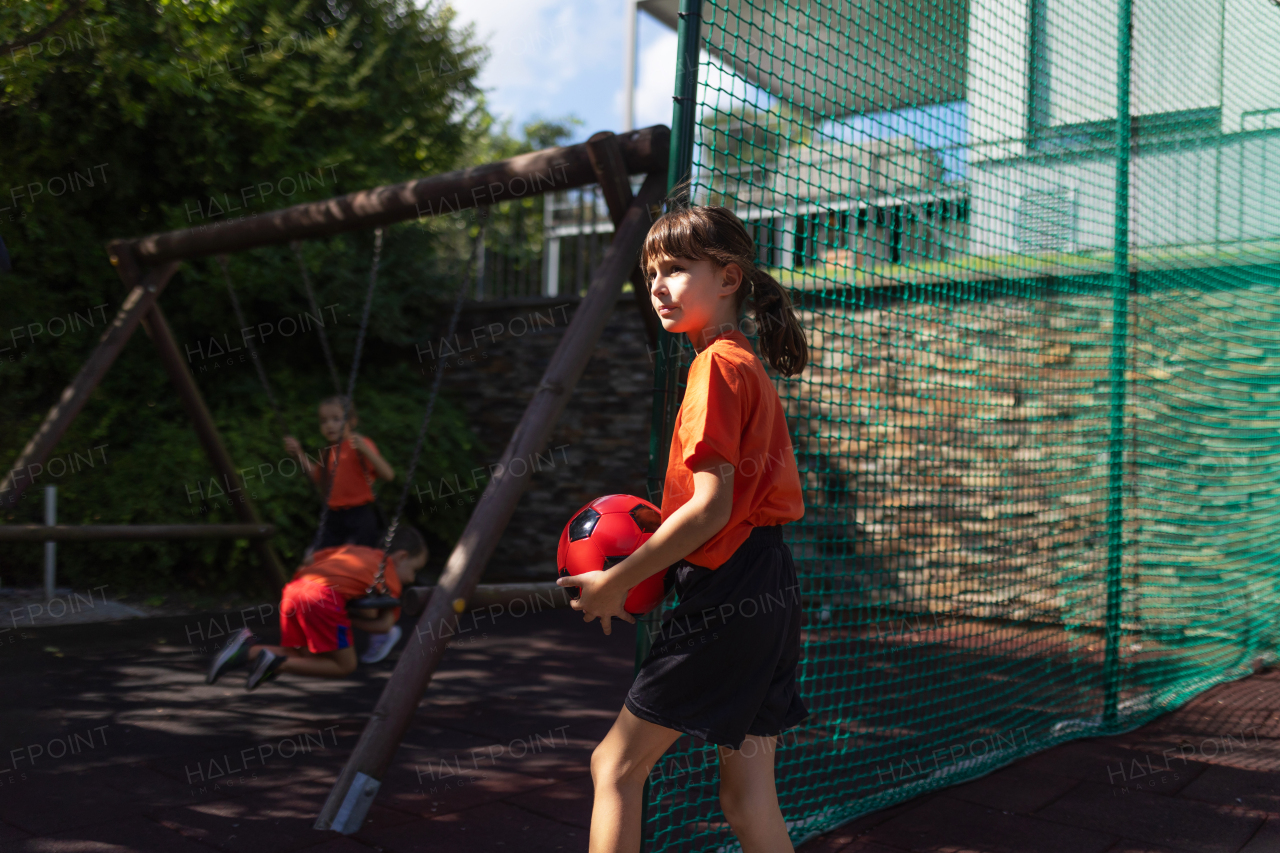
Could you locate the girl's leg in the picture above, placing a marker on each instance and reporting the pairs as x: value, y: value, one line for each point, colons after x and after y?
x: 336, y: 664
x: 619, y: 767
x: 748, y: 797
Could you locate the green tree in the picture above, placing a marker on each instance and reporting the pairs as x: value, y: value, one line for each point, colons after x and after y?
x: 137, y: 116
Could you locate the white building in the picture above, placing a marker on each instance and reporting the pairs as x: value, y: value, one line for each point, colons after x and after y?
x: 1035, y: 82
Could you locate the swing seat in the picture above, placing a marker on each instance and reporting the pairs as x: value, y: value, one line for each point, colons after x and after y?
x: 374, y: 601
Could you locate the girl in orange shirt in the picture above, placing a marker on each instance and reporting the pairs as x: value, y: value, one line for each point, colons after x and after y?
x: 723, y: 666
x: 352, y: 518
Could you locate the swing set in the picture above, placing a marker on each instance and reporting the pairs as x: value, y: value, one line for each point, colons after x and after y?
x: 376, y: 596
x: 146, y: 265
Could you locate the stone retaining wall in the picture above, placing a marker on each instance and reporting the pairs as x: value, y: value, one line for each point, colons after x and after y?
x: 954, y: 452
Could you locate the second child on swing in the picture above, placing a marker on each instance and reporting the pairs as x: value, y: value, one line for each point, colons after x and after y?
x: 727, y: 675
x: 354, y: 464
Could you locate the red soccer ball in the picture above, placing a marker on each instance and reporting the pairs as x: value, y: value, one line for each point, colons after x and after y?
x: 604, y: 533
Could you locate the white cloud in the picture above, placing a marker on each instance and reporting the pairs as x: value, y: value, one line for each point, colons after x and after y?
x: 656, y: 79
x: 552, y: 58
x: 549, y: 57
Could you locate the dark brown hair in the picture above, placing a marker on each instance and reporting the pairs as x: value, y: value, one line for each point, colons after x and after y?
x: 342, y: 402
x: 407, y: 539
x: 716, y: 235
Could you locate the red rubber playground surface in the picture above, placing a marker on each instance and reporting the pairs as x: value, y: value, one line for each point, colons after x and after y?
x: 111, y: 741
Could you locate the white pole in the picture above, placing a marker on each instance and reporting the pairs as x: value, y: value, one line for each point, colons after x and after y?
x: 50, y: 548
x: 629, y: 67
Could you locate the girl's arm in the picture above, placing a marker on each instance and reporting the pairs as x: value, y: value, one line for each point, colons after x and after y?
x: 705, y: 515
x: 368, y: 451
x: 293, y: 447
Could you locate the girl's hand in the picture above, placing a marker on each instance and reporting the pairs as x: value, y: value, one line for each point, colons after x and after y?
x: 357, y: 441
x: 292, y: 446
x: 601, y: 599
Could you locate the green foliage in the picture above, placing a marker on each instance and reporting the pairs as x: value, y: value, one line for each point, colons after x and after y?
x: 177, y: 114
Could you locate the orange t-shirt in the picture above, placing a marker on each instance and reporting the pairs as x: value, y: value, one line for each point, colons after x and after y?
x: 351, y: 488
x: 349, y: 569
x: 732, y: 410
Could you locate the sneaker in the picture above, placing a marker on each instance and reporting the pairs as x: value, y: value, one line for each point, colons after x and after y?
x: 233, y: 655
x: 264, y: 668
x: 380, y: 645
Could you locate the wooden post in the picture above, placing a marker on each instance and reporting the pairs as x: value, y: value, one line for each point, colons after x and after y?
x: 192, y: 401
x: 536, y: 595
x: 131, y: 532
x: 615, y: 185
x: 142, y: 295
x: 359, y: 780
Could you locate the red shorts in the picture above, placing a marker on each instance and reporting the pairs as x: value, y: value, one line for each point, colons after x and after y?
x: 313, y: 615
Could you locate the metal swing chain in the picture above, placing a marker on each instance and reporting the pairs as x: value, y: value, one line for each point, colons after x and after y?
x: 253, y: 351
x: 431, y: 404
x: 351, y: 388
x: 296, y: 245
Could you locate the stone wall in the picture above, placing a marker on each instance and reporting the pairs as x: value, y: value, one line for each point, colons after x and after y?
x: 954, y: 451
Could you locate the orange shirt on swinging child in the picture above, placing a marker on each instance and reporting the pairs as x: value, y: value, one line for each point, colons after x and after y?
x: 732, y: 410
x: 353, y: 485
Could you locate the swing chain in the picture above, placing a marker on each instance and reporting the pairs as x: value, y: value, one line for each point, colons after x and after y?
x: 378, y: 580
x: 351, y: 388
x: 296, y: 245
x: 253, y: 350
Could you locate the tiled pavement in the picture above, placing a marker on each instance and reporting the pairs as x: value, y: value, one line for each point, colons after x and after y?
x: 111, y: 741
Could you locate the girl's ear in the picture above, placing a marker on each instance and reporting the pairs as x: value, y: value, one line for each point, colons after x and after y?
x: 734, y: 277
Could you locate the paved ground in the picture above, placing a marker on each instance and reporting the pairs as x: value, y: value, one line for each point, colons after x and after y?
x: 110, y: 741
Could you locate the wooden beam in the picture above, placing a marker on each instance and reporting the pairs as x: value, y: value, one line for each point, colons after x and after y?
x: 131, y: 532
x: 142, y: 295
x: 615, y: 185
x: 641, y: 151
x: 193, y: 402
x: 358, y: 783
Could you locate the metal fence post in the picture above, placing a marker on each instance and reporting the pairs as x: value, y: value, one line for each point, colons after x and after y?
x: 1120, y: 283
x: 666, y: 370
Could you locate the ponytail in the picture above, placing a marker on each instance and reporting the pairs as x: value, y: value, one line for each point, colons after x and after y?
x: 716, y: 234
x: 781, y: 338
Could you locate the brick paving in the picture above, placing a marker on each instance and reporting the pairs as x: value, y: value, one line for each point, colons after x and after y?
x: 111, y: 741
x: 1203, y: 779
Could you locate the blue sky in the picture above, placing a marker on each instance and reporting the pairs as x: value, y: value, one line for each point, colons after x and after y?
x: 553, y: 58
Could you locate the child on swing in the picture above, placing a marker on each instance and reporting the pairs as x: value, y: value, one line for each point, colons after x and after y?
x: 352, y: 517
x: 728, y: 675
x: 315, y: 627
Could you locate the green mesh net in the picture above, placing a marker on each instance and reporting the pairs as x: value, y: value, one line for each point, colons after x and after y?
x: 1040, y: 430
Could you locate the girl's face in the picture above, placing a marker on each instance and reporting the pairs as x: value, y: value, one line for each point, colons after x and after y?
x: 695, y: 298
x: 331, y: 422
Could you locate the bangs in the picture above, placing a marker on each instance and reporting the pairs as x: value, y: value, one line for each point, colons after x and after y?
x: 677, y: 234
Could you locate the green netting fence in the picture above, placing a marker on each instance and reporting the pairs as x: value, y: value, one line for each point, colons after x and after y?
x: 1036, y: 246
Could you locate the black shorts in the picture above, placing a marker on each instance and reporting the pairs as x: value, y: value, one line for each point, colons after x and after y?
x: 723, y: 662
x: 357, y: 525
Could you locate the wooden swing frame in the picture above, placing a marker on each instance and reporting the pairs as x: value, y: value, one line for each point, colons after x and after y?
x: 147, y: 264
